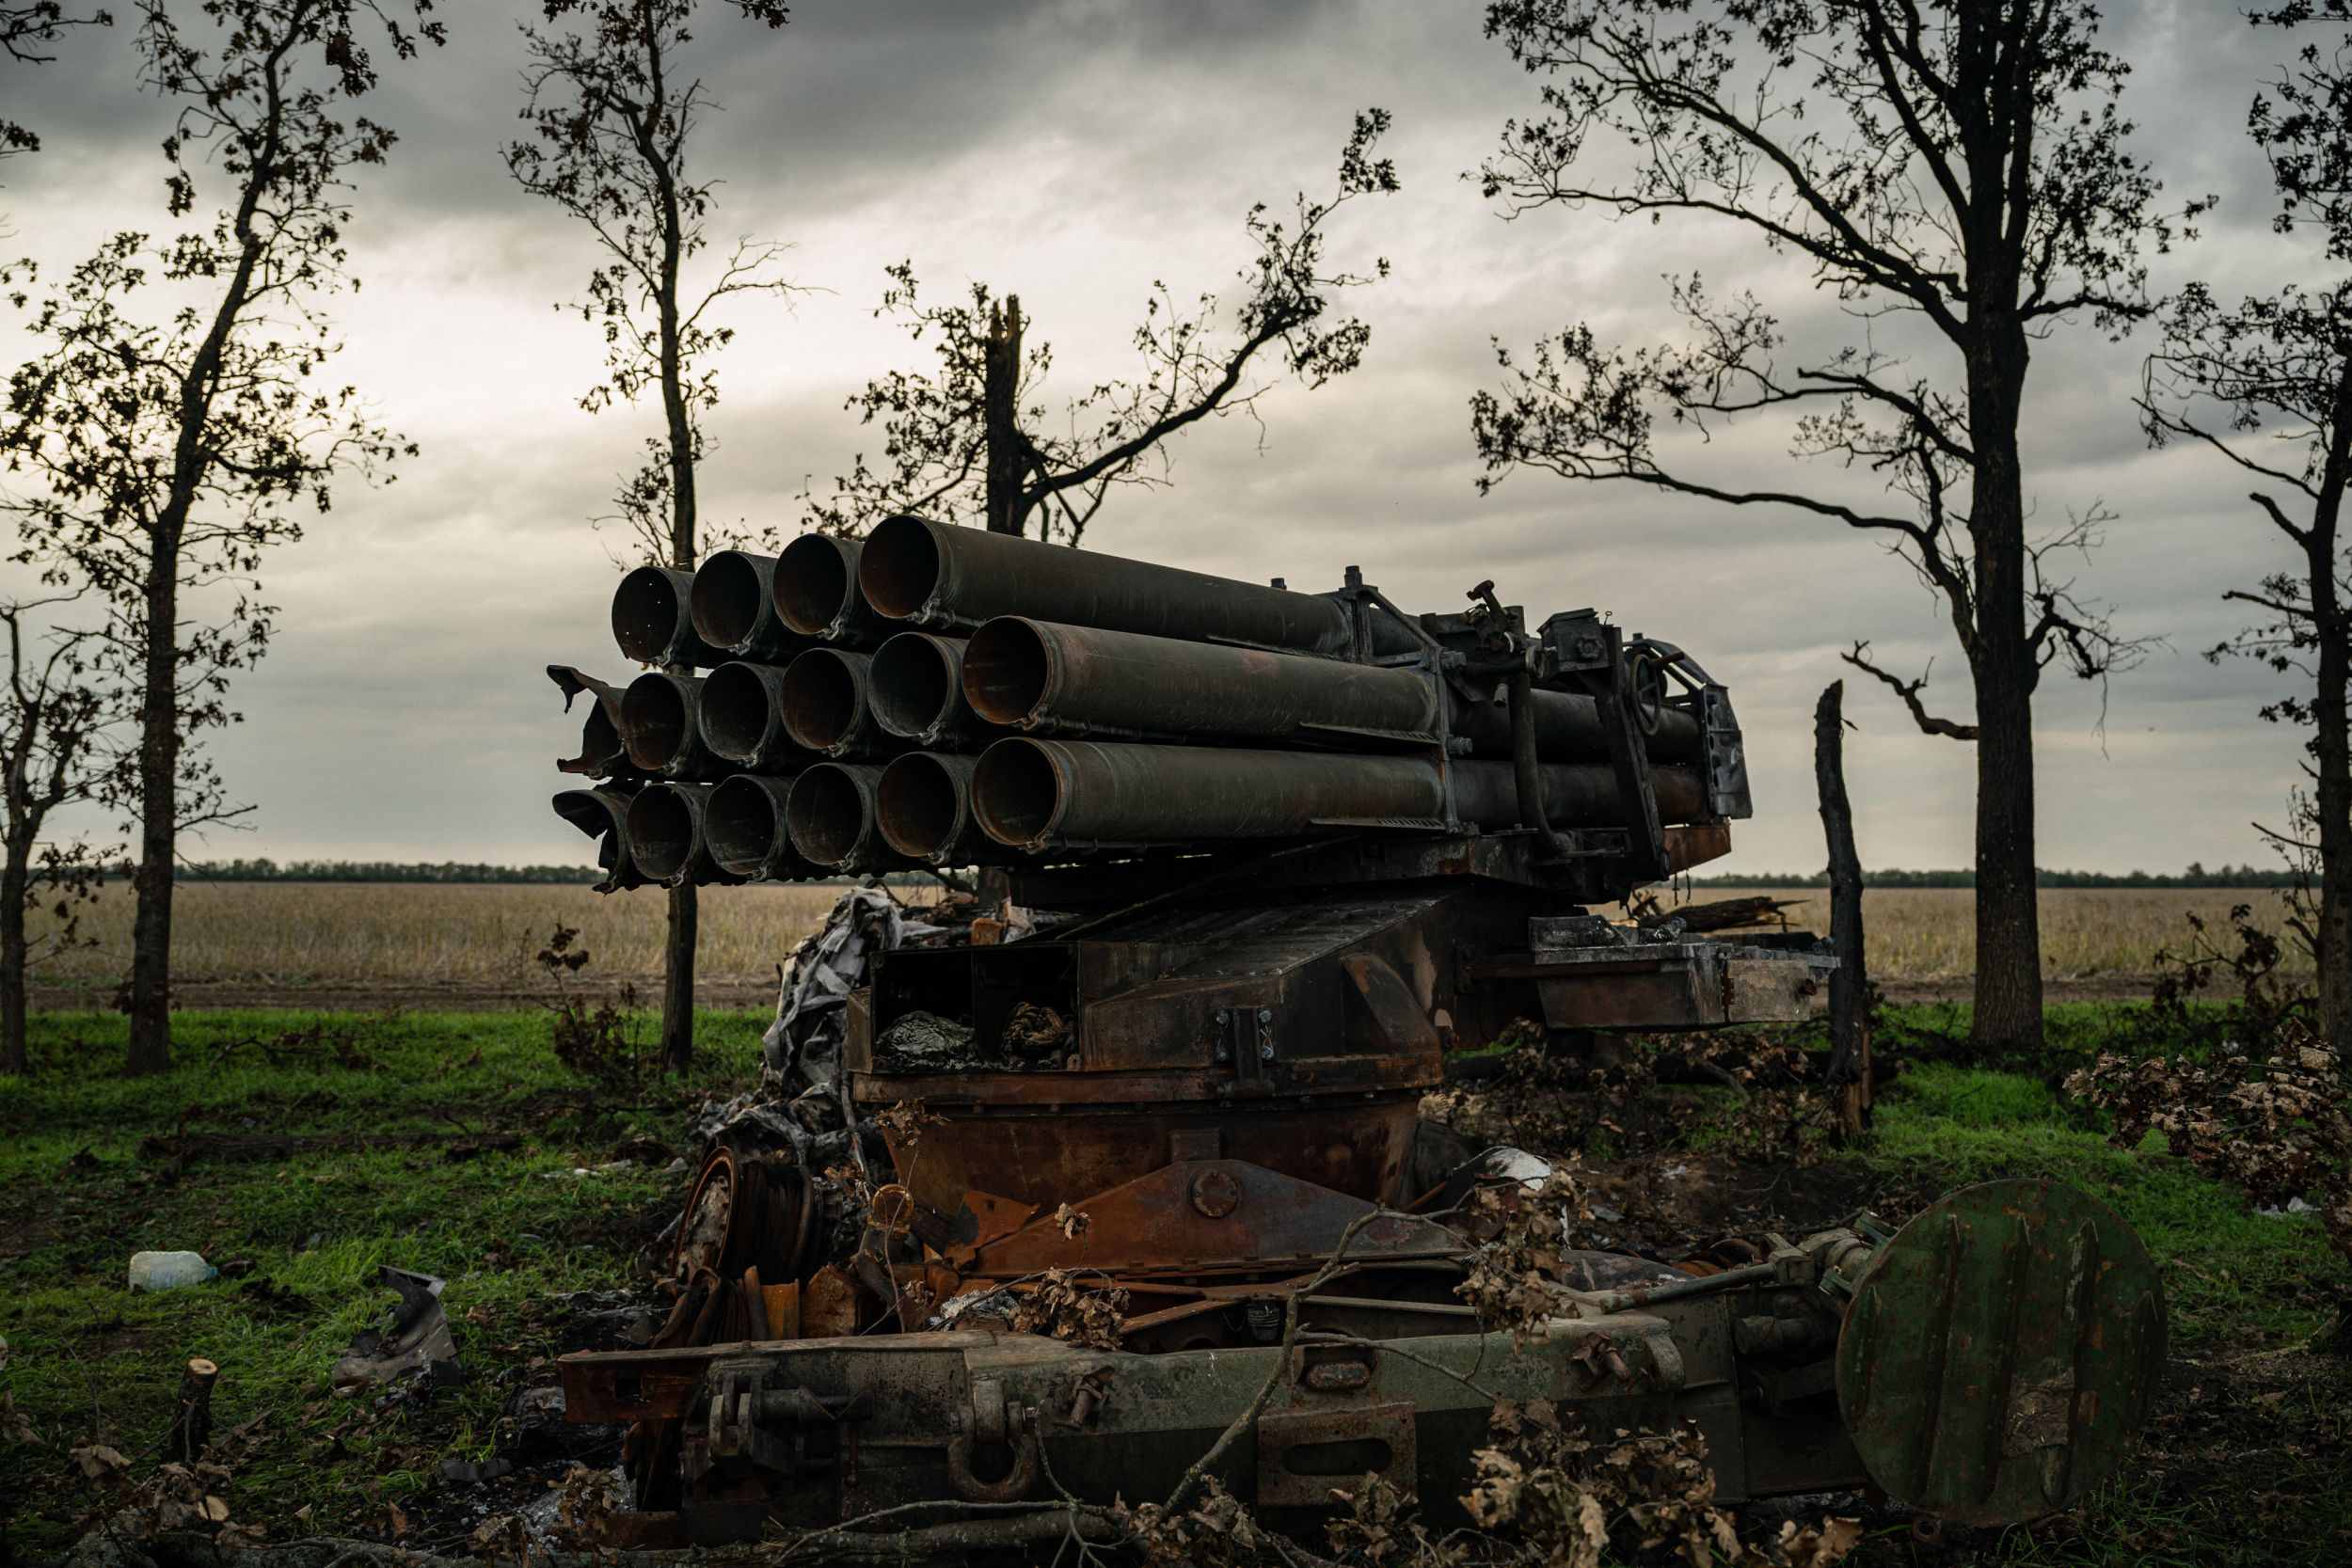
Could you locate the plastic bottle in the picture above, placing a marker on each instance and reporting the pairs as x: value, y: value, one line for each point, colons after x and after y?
x: 160, y: 1271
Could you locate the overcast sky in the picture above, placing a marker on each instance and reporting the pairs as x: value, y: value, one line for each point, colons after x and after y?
x: 1074, y: 152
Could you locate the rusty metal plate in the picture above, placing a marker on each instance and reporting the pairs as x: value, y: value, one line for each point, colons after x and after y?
x: 2000, y: 1352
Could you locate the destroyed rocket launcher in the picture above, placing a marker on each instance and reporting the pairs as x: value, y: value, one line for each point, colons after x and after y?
x: 1300, y: 846
x: 935, y: 695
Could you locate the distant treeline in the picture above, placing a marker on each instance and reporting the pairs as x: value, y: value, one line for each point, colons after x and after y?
x: 2196, y: 875
x: 381, y: 871
x: 462, y: 871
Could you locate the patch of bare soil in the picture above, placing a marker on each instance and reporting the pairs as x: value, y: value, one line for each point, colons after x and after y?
x: 2117, y: 987
x: 450, y: 997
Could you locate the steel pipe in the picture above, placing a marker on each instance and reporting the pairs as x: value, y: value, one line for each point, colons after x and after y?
x: 955, y: 579
x: 917, y: 692
x: 1569, y: 729
x: 923, y: 806
x: 665, y: 834
x: 734, y: 606
x: 824, y: 702
x: 816, y: 593
x: 1055, y: 679
x: 603, y: 755
x: 1039, y: 793
x: 659, y: 727
x: 745, y: 831
x: 603, y: 816
x: 741, y: 714
x: 652, y: 620
x: 829, y: 813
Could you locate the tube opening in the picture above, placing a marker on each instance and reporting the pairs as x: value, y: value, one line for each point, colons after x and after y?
x: 657, y: 721
x: 900, y: 566
x: 814, y: 578
x: 1015, y: 793
x: 730, y: 595
x: 736, y: 711
x: 919, y: 805
x: 820, y: 699
x: 660, y: 831
x: 1006, y: 669
x: 647, y: 613
x: 828, y: 813
x: 913, y: 684
x: 742, y: 825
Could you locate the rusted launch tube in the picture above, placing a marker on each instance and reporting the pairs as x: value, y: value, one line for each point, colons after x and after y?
x: 603, y: 816
x: 1080, y: 680
x: 1569, y: 729
x: 923, y: 806
x: 955, y: 579
x: 829, y: 813
x: 824, y: 704
x: 652, y: 620
x: 816, y: 593
x: 1055, y: 679
x: 745, y: 832
x: 917, y: 691
x: 743, y: 718
x: 735, y: 611
x: 665, y: 834
x: 1034, y: 794
x: 659, y: 725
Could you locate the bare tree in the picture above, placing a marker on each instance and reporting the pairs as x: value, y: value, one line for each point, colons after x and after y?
x: 56, y: 752
x: 166, y: 456
x: 2267, y: 383
x: 1954, y: 173
x: 972, y: 441
x: 27, y: 30
x: 610, y: 115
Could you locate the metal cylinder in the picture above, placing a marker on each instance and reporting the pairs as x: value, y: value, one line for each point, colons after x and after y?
x: 734, y: 609
x: 825, y: 705
x: 1037, y: 794
x: 829, y: 813
x: 652, y: 622
x: 746, y: 833
x: 603, y: 816
x: 816, y: 595
x: 741, y: 713
x: 661, y: 726
x: 665, y: 834
x: 923, y: 806
x: 601, y: 752
x: 917, y: 692
x: 1081, y: 680
x: 1569, y: 729
x: 957, y: 578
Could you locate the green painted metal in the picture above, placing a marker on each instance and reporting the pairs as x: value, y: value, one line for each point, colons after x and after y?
x: 2000, y: 1352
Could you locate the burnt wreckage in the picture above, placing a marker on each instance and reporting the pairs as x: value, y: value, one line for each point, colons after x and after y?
x: 1297, y: 846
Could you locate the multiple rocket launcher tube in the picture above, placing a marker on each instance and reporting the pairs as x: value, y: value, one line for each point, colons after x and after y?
x: 941, y: 695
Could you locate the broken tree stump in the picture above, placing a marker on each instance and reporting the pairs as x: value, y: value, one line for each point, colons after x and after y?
x: 1848, y: 1019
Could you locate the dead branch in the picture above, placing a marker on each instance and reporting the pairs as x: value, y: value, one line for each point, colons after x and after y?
x: 1909, y: 691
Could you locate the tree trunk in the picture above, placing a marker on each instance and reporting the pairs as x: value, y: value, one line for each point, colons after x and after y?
x: 1000, y: 417
x: 677, y: 971
x: 1848, y: 1021
x: 15, y: 883
x: 678, y: 979
x: 2331, y: 715
x: 2001, y: 661
x: 150, y: 1001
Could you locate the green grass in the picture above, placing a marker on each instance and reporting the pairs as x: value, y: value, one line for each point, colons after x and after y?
x: 89, y: 1361
x: 2228, y: 1272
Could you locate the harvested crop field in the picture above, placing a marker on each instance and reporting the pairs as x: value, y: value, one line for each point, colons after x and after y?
x: 362, y: 944
x: 338, y: 943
